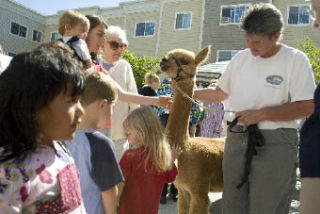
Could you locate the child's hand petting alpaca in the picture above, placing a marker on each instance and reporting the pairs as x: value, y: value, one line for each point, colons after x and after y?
x: 175, y: 152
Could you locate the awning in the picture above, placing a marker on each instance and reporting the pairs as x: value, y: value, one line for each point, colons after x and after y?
x: 210, y: 71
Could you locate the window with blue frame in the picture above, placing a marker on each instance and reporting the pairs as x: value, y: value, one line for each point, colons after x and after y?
x: 299, y: 15
x: 145, y: 28
x: 183, y: 20
x: 232, y: 14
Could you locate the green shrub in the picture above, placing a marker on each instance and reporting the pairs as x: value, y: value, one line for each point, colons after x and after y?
x: 141, y: 66
x: 313, y: 52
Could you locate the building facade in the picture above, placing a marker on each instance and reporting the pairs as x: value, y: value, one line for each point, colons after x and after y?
x: 156, y: 26
x: 22, y: 29
x: 222, y: 25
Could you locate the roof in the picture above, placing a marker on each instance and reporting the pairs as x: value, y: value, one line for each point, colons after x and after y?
x: 210, y: 71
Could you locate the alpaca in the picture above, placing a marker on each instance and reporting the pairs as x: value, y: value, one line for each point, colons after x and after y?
x: 200, y: 162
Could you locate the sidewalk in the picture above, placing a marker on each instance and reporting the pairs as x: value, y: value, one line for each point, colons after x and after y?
x: 216, y: 202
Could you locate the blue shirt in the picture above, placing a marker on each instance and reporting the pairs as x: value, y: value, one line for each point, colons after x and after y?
x: 99, y: 170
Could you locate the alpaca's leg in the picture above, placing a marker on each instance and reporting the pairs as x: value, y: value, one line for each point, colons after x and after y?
x: 183, y: 201
x: 199, y: 203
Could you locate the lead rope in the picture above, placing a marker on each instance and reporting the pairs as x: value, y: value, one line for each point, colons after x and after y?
x: 195, y: 102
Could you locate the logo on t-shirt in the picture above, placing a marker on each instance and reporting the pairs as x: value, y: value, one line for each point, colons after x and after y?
x: 274, y: 79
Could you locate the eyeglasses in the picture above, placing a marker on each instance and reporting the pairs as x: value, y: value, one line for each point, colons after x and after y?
x: 116, y: 45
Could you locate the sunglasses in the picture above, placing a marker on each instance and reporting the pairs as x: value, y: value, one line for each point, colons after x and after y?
x: 116, y: 45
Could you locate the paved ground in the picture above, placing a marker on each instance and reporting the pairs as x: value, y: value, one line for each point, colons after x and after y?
x: 216, y: 202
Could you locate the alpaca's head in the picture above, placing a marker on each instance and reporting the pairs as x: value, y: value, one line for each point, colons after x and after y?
x: 182, y: 64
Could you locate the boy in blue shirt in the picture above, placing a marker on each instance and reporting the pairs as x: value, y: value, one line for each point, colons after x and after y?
x: 92, y: 151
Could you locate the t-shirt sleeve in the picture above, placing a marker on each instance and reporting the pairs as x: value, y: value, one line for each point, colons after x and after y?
x: 125, y: 164
x: 225, y: 81
x: 302, y: 83
x: 106, y: 172
x: 172, y: 174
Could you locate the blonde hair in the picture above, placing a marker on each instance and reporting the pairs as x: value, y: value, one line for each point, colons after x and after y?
x: 115, y: 31
x: 98, y: 86
x: 149, y: 78
x: 150, y: 132
x: 73, y: 18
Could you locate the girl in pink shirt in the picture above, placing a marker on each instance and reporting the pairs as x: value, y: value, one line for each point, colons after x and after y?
x: 39, y: 106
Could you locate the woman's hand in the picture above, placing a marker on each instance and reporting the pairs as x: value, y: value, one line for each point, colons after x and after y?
x: 165, y: 102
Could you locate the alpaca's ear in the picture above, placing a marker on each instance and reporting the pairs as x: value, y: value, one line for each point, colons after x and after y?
x: 202, y: 56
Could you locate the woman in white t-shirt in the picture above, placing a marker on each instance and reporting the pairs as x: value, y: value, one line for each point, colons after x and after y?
x: 271, y: 85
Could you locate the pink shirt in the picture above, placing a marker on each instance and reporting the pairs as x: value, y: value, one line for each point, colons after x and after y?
x: 47, y: 181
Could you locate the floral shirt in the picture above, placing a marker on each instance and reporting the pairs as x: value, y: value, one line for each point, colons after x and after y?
x: 211, y: 125
x: 47, y: 181
x: 165, y: 90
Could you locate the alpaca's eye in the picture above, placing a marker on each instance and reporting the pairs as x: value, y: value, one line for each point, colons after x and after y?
x: 184, y: 62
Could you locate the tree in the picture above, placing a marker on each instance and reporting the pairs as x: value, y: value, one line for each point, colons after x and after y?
x: 141, y: 66
x: 313, y: 52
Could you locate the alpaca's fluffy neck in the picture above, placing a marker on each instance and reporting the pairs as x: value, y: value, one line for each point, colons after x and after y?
x: 178, y: 123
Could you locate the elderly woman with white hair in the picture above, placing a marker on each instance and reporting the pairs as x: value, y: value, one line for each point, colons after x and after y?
x: 121, y: 72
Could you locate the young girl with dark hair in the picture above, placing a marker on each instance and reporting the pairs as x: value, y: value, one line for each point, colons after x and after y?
x: 39, y: 106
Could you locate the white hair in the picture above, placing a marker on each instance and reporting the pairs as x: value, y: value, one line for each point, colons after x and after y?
x: 116, y: 31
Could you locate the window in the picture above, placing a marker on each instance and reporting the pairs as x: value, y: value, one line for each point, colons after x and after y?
x: 54, y: 36
x: 232, y: 14
x: 298, y: 15
x: 145, y: 28
x: 37, y: 35
x: 183, y: 20
x: 226, y: 55
x: 18, y: 30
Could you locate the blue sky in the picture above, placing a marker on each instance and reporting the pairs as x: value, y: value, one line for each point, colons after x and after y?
x: 50, y: 7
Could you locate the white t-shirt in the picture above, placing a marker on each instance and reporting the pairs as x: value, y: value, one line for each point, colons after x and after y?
x: 4, y: 62
x: 253, y: 82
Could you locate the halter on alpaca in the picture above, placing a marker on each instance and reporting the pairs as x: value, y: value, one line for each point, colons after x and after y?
x: 178, y: 77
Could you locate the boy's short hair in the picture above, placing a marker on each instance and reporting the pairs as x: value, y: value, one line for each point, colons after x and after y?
x: 149, y: 78
x: 98, y: 86
x: 73, y: 18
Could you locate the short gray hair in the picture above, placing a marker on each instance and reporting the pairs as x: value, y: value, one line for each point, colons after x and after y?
x: 262, y: 19
x: 116, y: 31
